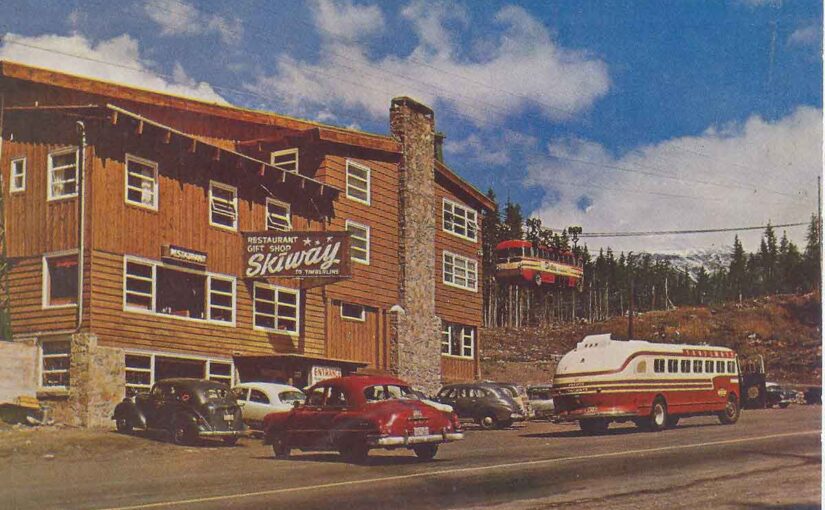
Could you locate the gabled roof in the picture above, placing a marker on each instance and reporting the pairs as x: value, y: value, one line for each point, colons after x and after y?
x: 465, y: 186
x: 118, y: 91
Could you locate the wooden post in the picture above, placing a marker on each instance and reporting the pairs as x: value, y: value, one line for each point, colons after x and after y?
x: 630, y: 312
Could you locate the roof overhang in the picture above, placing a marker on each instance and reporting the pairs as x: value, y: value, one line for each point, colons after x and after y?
x: 275, y: 359
x: 139, y: 124
x: 465, y: 186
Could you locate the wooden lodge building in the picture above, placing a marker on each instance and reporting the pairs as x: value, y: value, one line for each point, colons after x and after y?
x: 128, y: 220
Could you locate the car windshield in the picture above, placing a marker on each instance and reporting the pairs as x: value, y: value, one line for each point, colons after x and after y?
x: 387, y: 392
x: 292, y: 396
x: 216, y: 393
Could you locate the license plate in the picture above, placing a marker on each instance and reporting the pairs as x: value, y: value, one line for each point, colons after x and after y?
x: 229, y: 417
x: 421, y: 431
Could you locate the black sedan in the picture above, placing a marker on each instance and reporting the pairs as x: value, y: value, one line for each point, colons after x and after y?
x: 489, y: 405
x: 187, y: 408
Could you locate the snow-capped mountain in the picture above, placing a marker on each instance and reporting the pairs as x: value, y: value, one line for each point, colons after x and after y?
x: 712, y: 258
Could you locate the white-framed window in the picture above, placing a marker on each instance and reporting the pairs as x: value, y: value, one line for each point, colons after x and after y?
x: 286, y: 160
x: 460, y: 271
x: 278, y: 215
x: 141, y: 181
x: 55, y: 358
x: 169, y: 290
x: 17, y: 183
x: 458, y: 340
x: 219, y: 371
x: 358, y: 182
x: 62, y: 174
x: 353, y: 312
x: 139, y: 370
x: 359, y: 242
x: 460, y: 220
x: 276, y: 308
x: 60, y: 280
x: 223, y: 206
x: 144, y: 368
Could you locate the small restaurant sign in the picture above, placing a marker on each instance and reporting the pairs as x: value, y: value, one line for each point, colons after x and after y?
x: 297, y: 254
x: 184, y: 255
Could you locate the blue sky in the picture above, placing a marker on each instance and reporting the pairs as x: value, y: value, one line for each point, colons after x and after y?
x: 612, y: 115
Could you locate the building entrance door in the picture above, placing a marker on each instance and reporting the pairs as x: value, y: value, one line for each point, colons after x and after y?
x: 166, y: 368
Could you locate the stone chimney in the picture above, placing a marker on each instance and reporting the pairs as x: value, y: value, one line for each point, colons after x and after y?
x: 416, y: 345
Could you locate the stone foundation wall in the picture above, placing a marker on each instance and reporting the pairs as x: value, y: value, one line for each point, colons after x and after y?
x: 97, y: 382
x: 417, y: 344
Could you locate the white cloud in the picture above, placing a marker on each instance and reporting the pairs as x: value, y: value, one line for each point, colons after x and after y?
x: 117, y: 59
x: 179, y: 18
x: 345, y: 21
x: 806, y: 36
x: 767, y: 171
x: 523, y: 68
x: 496, y: 149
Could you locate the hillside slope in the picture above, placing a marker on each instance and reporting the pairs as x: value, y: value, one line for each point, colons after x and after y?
x: 786, y: 330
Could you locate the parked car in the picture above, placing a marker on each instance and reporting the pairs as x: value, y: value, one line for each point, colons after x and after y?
x: 187, y: 408
x: 779, y: 396
x: 541, y: 400
x: 519, y: 395
x: 261, y: 398
x: 487, y: 404
x: 354, y: 414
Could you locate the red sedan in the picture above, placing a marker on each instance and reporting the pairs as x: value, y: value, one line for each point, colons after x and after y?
x: 353, y: 414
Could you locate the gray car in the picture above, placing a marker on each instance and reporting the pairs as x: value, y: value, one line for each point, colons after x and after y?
x: 489, y: 405
x: 541, y: 401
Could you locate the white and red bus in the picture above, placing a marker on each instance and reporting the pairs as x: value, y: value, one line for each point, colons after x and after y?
x: 523, y: 261
x: 604, y: 380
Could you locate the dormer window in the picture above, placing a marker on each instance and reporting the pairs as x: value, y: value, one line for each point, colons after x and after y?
x: 286, y: 160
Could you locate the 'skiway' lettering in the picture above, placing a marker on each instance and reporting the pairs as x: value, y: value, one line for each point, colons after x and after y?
x: 270, y: 264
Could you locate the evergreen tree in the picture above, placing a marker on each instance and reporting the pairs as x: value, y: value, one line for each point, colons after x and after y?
x: 811, y: 263
x: 513, y: 220
x: 737, y: 270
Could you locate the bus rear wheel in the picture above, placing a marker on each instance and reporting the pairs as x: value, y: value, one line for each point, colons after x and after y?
x: 732, y: 411
x: 658, y: 418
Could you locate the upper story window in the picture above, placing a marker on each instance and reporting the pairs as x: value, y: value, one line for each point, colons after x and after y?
x: 59, y: 280
x: 286, y: 160
x: 167, y: 290
x: 358, y: 182
x: 18, y: 175
x: 223, y: 206
x: 275, y: 308
x: 459, y: 220
x: 141, y: 182
x: 460, y: 271
x: 277, y: 215
x: 62, y: 174
x: 359, y: 242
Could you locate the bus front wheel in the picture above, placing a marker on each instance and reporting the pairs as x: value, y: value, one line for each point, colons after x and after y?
x: 732, y: 411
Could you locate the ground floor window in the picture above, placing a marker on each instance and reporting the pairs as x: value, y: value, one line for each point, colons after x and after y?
x: 275, y: 308
x: 458, y: 340
x: 60, y: 280
x: 145, y: 369
x: 179, y: 292
x: 54, y: 364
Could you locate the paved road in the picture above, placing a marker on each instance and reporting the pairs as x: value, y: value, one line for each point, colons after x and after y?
x: 770, y: 459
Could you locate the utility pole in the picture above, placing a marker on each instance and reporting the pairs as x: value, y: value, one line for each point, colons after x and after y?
x: 630, y: 312
x: 5, y: 264
x: 819, y: 227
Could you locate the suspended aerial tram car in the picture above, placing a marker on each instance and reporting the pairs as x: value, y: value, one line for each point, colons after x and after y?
x: 523, y: 261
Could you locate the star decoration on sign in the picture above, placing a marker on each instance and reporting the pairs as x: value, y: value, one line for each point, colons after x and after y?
x: 307, y: 242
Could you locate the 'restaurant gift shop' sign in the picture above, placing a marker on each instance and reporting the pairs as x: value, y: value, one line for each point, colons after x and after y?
x: 297, y: 254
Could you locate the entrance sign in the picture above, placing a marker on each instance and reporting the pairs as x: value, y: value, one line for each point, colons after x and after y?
x: 322, y: 372
x: 297, y: 254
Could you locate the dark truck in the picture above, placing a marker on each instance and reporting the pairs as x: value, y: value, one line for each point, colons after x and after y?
x: 188, y: 409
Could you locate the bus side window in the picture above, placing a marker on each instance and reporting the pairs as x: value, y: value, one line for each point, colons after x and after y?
x: 659, y: 365
x: 641, y: 367
x: 686, y: 366
x: 709, y: 366
x: 720, y: 367
x: 697, y: 366
x: 732, y: 367
x: 673, y: 365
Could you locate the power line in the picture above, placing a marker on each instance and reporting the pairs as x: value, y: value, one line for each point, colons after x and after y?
x: 684, y: 232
